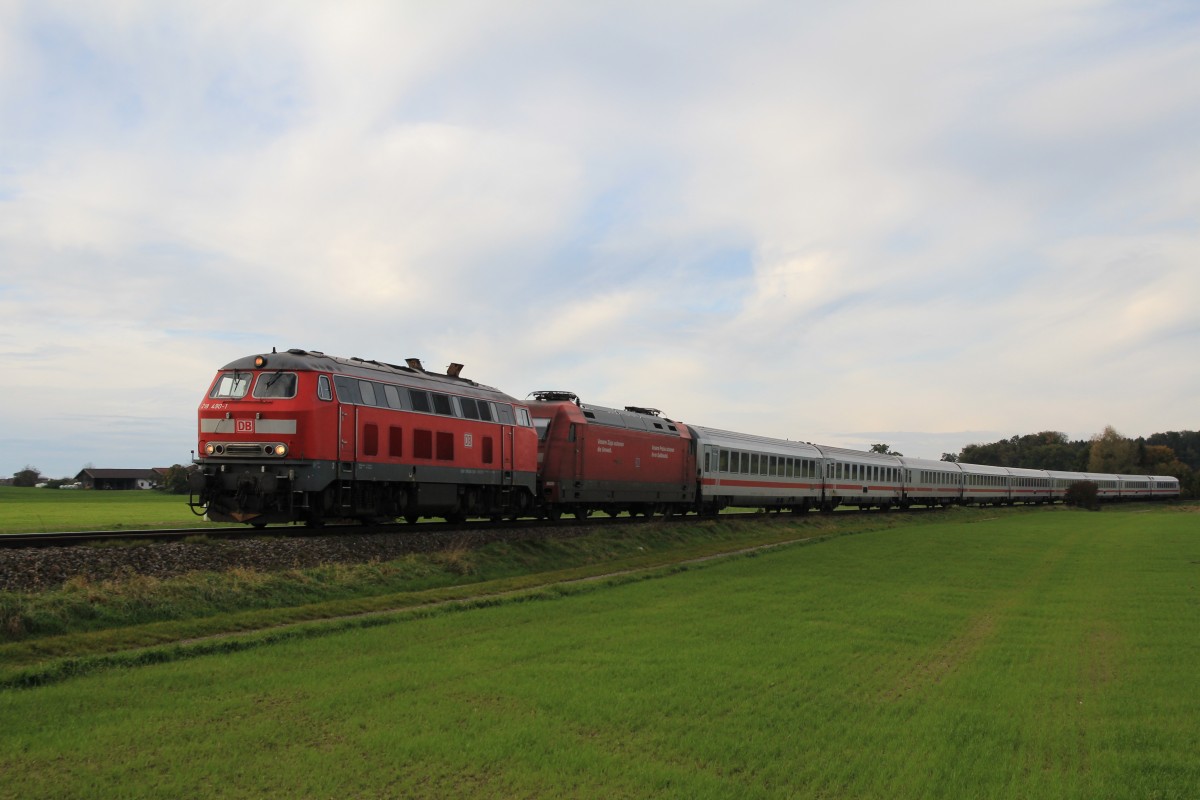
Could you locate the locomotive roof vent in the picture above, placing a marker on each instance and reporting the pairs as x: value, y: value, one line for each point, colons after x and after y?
x: 555, y: 396
x: 454, y: 369
x: 414, y: 363
x: 650, y: 412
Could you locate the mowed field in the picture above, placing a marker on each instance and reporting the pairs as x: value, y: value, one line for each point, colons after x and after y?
x: 27, y: 510
x: 1042, y: 654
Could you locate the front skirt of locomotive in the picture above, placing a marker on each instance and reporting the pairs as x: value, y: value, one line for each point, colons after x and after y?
x: 258, y: 494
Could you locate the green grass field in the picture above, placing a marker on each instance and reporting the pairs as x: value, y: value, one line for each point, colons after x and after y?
x: 24, y: 510
x: 1046, y: 654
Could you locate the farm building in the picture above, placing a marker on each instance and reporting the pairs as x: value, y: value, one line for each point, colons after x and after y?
x: 92, y: 478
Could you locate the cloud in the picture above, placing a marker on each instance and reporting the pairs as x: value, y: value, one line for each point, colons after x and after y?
x: 792, y: 219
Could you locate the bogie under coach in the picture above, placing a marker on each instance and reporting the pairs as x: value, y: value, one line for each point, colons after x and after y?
x: 301, y: 437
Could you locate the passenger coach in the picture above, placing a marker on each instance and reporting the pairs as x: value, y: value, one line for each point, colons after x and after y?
x: 743, y: 471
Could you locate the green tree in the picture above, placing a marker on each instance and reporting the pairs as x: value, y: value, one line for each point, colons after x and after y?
x: 1185, y: 445
x: 885, y: 450
x: 1112, y: 453
x: 27, y: 477
x: 176, y: 479
x: 1082, y: 494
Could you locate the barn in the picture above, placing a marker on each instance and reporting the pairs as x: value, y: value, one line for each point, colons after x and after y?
x: 92, y: 478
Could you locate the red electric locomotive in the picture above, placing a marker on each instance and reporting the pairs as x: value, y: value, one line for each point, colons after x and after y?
x: 302, y: 436
x: 595, y: 458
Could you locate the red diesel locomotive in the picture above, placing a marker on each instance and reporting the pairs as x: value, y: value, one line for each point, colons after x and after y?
x: 302, y: 436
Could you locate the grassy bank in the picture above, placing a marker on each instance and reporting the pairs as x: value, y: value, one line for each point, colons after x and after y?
x: 85, y: 618
x: 1026, y: 655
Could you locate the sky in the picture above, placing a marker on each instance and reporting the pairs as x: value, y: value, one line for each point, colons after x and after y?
x: 926, y: 223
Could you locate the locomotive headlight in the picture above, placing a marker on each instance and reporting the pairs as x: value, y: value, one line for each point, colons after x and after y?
x: 281, y: 449
x: 260, y: 361
x: 209, y: 449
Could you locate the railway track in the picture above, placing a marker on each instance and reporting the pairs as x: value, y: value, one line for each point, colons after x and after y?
x: 71, y: 538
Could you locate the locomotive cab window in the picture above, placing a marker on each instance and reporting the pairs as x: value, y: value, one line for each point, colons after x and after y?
x: 232, y: 385
x: 324, y: 390
x: 275, y: 384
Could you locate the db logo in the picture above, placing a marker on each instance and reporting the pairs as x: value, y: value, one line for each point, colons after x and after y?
x: 468, y: 440
x: 245, y: 426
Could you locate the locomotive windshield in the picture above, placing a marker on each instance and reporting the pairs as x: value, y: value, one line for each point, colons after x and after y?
x: 276, y: 384
x: 232, y: 385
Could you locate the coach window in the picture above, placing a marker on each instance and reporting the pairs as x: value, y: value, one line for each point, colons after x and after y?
x: 324, y: 390
x: 275, y: 384
x: 724, y: 461
x: 745, y: 464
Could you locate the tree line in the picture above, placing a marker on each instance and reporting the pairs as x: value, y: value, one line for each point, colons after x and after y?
x: 1175, y: 453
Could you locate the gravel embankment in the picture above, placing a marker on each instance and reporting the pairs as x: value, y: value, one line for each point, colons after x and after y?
x: 38, y: 568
